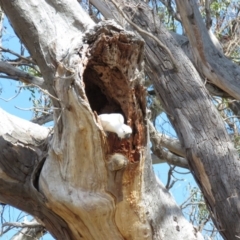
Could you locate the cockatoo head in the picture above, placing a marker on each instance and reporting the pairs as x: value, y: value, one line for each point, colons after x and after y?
x: 124, y: 131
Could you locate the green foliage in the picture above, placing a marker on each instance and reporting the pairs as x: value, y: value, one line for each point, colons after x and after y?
x: 167, y: 19
x: 219, y: 6
x: 199, y: 205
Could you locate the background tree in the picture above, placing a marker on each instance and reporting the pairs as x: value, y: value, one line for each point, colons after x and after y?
x: 81, y: 183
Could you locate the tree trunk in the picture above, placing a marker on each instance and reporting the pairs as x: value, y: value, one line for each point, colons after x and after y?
x: 201, y: 131
x: 86, y: 184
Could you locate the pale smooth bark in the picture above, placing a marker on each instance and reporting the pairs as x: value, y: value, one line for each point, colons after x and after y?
x: 30, y: 230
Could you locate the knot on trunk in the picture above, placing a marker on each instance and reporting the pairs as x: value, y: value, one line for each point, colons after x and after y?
x: 117, y: 162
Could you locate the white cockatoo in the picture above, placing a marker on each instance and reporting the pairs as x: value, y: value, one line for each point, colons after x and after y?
x: 114, y: 122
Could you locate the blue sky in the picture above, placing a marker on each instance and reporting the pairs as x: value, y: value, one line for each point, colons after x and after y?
x: 10, y: 87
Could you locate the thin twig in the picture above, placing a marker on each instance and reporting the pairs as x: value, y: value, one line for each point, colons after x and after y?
x: 169, y: 184
x: 30, y: 109
x: 23, y: 224
x: 16, y: 54
x: 45, y: 91
x: 181, y: 205
x: 11, y: 98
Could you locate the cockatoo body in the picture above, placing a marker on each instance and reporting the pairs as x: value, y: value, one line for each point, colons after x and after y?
x: 114, y: 122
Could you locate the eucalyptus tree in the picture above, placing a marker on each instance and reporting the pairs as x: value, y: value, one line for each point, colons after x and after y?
x: 81, y: 182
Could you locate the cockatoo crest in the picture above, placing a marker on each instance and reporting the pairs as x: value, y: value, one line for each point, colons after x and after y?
x: 114, y: 122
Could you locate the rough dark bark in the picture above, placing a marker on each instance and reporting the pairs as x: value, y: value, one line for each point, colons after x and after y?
x: 200, y: 130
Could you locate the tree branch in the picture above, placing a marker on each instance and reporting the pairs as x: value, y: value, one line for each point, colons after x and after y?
x: 18, y: 55
x: 171, y: 144
x: 208, y: 59
x: 160, y: 141
x: 22, y: 224
x: 31, y: 230
x: 22, y: 76
x: 43, y: 119
x: 24, y: 146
